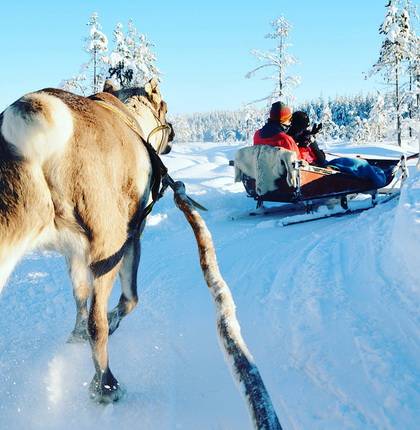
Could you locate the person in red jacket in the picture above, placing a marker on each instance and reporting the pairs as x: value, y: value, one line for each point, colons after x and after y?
x: 274, y: 132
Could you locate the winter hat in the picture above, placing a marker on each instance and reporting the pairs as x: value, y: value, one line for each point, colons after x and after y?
x: 300, y: 122
x: 280, y: 112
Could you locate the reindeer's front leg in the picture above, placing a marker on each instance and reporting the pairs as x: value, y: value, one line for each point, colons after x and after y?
x: 128, y: 279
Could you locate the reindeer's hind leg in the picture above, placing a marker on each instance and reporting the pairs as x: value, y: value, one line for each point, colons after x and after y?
x: 128, y: 278
x: 104, y: 387
x: 81, y: 280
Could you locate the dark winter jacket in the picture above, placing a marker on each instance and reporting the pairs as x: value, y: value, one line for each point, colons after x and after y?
x: 309, y: 148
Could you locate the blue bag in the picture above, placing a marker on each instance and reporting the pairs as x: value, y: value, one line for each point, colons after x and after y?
x: 361, y: 169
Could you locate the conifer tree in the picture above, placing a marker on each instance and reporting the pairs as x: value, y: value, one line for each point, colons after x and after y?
x: 132, y: 61
x: 396, y: 50
x: 379, y: 121
x: 120, y: 59
x: 329, y: 128
x: 91, y: 76
x: 96, y: 46
x: 410, y: 20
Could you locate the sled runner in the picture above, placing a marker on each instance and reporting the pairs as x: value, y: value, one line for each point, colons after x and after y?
x: 325, y: 192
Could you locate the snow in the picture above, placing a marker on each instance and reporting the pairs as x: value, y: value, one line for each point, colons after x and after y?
x: 329, y: 310
x: 406, y: 238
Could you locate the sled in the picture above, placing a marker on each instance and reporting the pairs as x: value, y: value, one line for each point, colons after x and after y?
x: 325, y: 192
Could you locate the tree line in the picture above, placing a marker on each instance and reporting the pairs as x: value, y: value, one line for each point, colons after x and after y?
x: 391, y: 114
x: 357, y: 118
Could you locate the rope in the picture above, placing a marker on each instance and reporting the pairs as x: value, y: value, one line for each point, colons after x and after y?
x: 243, y: 367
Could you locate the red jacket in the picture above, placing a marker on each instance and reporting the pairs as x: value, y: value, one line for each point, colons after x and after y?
x: 307, y: 154
x: 285, y: 141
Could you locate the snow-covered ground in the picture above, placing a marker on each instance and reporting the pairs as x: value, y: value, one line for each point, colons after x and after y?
x: 329, y: 310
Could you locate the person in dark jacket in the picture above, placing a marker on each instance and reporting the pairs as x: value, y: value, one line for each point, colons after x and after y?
x: 299, y: 130
x: 304, y: 137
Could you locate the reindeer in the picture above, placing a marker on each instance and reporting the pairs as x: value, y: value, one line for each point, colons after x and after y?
x: 75, y: 177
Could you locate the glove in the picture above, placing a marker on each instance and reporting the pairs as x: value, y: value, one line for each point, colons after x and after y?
x: 316, y: 128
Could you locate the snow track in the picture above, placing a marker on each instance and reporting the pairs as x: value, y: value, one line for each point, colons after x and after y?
x: 329, y: 310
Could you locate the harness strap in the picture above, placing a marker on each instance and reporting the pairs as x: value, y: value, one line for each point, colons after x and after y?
x: 160, y: 127
x: 159, y: 170
x: 131, y: 122
x: 160, y: 176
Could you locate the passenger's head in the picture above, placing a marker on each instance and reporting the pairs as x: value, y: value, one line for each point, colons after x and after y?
x: 299, y: 123
x: 281, y: 112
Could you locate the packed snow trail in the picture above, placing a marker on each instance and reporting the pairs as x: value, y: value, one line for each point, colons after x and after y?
x: 329, y: 310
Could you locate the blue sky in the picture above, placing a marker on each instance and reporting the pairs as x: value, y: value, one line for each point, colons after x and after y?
x: 203, y: 48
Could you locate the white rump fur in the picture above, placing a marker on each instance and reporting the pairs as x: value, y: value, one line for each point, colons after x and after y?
x: 9, y: 261
x: 40, y: 135
x: 265, y: 164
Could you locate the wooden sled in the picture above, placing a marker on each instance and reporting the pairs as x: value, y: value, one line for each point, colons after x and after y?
x: 317, y: 186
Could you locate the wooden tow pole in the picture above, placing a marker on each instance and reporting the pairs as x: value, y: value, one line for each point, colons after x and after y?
x: 242, y: 363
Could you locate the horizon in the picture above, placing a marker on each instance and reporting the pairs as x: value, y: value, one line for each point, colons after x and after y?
x: 202, y: 52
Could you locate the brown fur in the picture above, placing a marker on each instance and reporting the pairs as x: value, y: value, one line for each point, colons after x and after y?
x: 81, y: 202
x: 18, y: 193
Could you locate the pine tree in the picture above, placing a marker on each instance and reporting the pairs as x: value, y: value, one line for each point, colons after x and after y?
x: 120, y: 59
x: 96, y: 44
x: 143, y: 57
x: 379, y: 119
x: 132, y: 61
x: 251, y: 120
x: 280, y: 60
x: 329, y: 128
x: 409, y: 19
x: 313, y: 117
x: 182, y: 129
x: 396, y: 49
x: 361, y: 130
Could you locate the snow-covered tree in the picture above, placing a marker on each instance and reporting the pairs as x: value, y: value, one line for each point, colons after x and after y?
x: 252, y: 121
x: 399, y: 47
x: 143, y: 56
x: 132, y: 61
x: 91, y: 76
x: 120, y: 59
x: 278, y: 59
x: 329, y: 127
x: 410, y: 20
x: 96, y: 46
x: 313, y: 117
x: 79, y: 83
x: 379, y: 119
x: 182, y: 129
x: 360, y: 130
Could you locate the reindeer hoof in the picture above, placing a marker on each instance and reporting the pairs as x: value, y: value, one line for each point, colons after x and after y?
x: 105, y: 393
x: 77, y: 336
x: 113, y: 322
